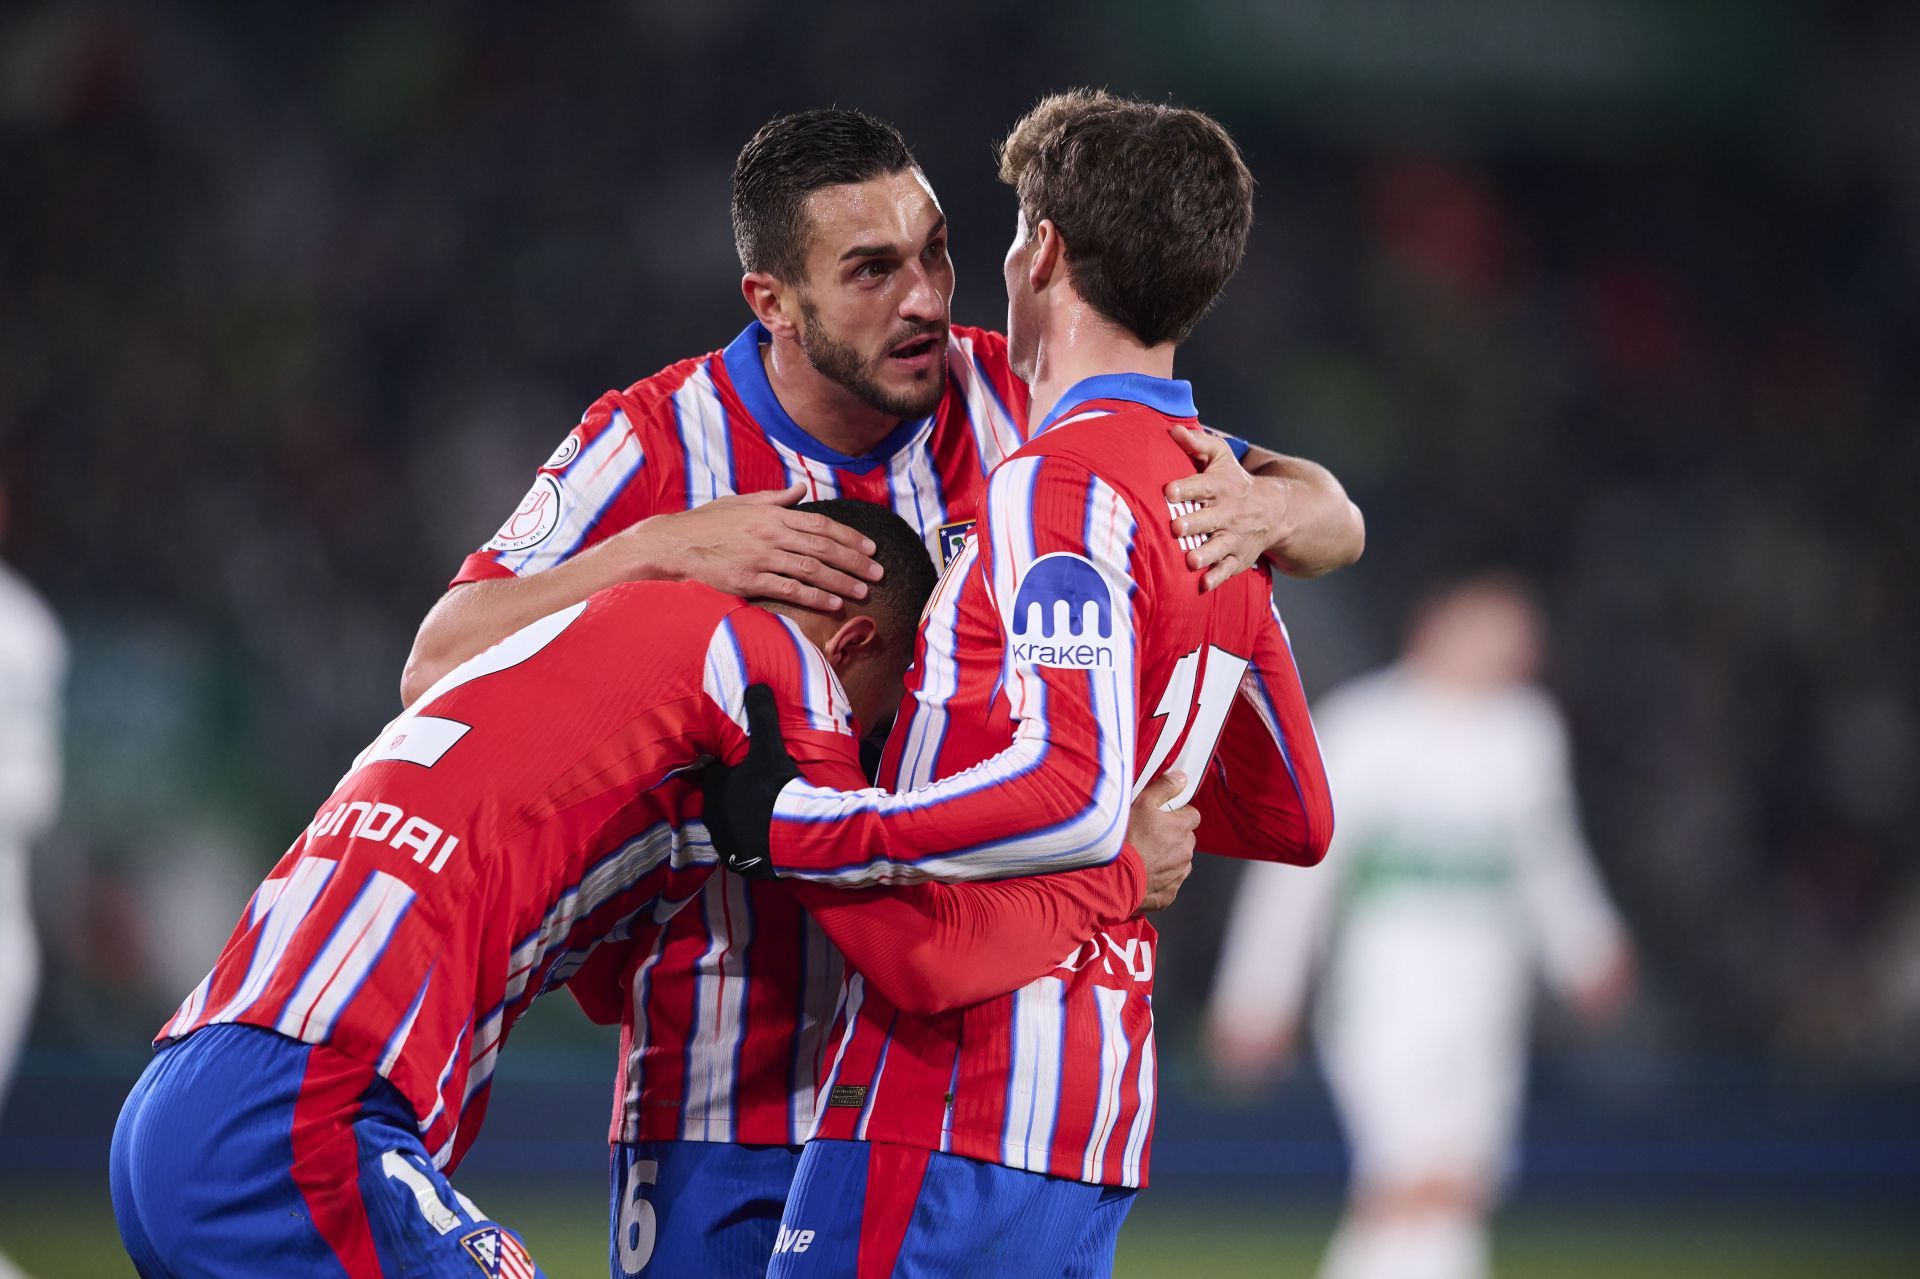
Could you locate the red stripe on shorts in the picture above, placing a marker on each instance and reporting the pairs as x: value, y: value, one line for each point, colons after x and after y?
x: 894, y: 1174
x: 326, y: 1158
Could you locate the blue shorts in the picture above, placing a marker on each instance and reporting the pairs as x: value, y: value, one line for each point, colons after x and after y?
x: 697, y: 1208
x: 867, y: 1210
x: 242, y: 1153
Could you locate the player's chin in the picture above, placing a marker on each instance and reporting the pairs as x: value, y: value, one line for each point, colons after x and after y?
x: 914, y: 392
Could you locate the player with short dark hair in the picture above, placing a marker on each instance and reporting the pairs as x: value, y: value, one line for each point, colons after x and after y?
x: 1068, y: 655
x: 310, y: 1097
x: 789, y: 158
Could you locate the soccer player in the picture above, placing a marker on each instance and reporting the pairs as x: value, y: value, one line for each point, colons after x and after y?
x: 1459, y: 865
x: 851, y: 380
x: 310, y: 1096
x: 1069, y: 652
x: 33, y: 662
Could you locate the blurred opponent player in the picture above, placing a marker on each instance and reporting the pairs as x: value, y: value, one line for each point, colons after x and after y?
x: 850, y: 381
x: 1459, y: 861
x: 1069, y: 653
x: 33, y: 664
x: 308, y: 1099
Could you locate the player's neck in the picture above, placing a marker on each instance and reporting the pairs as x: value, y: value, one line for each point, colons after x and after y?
x: 820, y: 406
x: 1086, y: 345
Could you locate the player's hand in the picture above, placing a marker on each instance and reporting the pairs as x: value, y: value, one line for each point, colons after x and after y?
x: 1602, y: 999
x: 752, y: 545
x: 740, y: 797
x: 1239, y: 518
x: 1242, y: 1059
x: 1163, y: 839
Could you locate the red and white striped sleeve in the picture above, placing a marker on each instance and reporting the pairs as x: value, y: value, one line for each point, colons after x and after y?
x: 1055, y: 564
x: 1264, y: 795
x: 928, y: 947
x: 592, y: 486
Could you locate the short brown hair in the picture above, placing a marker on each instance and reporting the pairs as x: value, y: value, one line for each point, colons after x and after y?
x: 1153, y: 204
x: 788, y: 159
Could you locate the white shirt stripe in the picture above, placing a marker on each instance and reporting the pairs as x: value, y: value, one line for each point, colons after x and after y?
x: 704, y: 438
x: 1143, y: 1118
x: 1110, y: 1003
x: 1033, y: 1073
x: 288, y: 911
x: 719, y: 1011
x: 357, y: 943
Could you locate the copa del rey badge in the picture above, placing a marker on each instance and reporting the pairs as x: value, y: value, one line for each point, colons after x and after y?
x: 1063, y: 614
x: 537, y: 516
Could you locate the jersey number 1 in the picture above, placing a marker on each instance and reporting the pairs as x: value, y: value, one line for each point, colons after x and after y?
x: 1201, y: 718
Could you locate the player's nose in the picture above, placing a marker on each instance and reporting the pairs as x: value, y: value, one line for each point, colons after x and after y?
x: 923, y: 300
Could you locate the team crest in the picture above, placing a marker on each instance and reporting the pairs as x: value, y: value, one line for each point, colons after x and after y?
x: 536, y: 516
x: 952, y: 538
x: 1064, y: 614
x: 498, y: 1254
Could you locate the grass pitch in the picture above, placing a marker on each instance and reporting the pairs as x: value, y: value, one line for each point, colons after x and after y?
x: 66, y: 1232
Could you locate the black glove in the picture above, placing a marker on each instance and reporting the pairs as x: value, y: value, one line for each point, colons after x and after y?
x: 740, y: 797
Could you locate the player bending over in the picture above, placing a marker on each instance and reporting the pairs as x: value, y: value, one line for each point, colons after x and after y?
x: 1068, y: 654
x: 310, y: 1096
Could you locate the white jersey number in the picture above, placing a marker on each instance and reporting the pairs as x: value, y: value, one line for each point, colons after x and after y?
x: 424, y: 739
x: 1201, y: 717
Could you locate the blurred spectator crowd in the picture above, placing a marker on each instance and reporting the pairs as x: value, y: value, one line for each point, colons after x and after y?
x: 293, y: 305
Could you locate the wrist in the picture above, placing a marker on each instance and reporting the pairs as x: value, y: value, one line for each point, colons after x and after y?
x: 650, y: 553
x: 1275, y: 493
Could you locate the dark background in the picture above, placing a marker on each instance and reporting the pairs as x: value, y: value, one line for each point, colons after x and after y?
x: 1620, y: 293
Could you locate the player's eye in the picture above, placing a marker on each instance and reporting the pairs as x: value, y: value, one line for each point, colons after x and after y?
x: 935, y: 251
x: 872, y: 270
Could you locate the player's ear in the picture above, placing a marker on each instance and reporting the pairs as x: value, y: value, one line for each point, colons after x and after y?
x: 858, y: 637
x: 767, y: 297
x: 1048, y: 253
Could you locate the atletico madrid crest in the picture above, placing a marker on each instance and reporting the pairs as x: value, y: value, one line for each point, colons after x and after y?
x: 498, y: 1254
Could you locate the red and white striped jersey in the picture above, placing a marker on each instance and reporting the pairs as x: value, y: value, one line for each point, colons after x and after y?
x: 1067, y: 657
x: 711, y: 427
x: 532, y: 805
x: 725, y: 1011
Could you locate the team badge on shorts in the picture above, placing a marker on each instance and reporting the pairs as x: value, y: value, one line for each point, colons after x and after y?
x: 498, y: 1254
x: 952, y: 538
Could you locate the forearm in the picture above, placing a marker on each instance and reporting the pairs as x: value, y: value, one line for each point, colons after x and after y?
x: 931, y: 948
x: 474, y: 616
x: 1317, y: 527
x: 1036, y: 807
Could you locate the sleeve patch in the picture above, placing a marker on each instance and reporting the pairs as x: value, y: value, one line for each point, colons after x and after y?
x: 534, y: 519
x: 1064, y: 615
x: 568, y: 450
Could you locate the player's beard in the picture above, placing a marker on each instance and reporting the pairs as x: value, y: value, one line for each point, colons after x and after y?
x: 844, y: 366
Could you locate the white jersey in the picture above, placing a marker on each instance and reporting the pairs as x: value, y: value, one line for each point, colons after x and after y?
x: 33, y: 662
x: 1457, y: 830
x: 1457, y: 868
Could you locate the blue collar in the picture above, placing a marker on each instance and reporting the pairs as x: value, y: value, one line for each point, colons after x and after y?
x: 749, y: 377
x: 1163, y: 395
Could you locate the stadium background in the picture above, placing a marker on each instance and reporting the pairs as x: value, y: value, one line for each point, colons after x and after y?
x: 1618, y: 292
